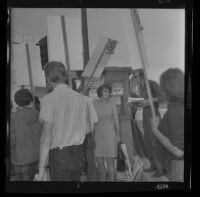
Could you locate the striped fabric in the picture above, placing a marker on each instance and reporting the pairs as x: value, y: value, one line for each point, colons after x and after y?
x: 124, y: 176
x: 23, y: 172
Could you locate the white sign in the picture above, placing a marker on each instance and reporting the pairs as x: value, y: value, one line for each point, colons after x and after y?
x: 95, y: 82
x: 100, y: 56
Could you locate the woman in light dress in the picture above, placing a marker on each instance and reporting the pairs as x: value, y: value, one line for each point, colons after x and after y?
x: 107, y: 134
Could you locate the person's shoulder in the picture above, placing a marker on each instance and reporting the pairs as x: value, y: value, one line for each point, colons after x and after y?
x: 176, y: 106
x: 96, y: 101
x: 112, y: 102
x: 86, y: 99
x: 17, y: 112
x: 83, y: 96
x: 47, y: 97
x: 89, y: 100
x: 175, y: 109
x: 70, y: 92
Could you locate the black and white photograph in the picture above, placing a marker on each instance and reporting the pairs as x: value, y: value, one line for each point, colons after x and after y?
x: 97, y: 95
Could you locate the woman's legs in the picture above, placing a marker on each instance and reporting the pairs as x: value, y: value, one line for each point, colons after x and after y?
x: 111, y: 169
x: 101, y: 169
x: 159, y: 167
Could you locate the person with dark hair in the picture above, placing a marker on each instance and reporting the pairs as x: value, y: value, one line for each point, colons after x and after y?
x: 25, y: 134
x: 149, y: 139
x: 170, y: 130
x: 67, y: 116
x: 107, y: 133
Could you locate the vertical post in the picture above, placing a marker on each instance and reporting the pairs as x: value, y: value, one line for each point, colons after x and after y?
x: 138, y: 31
x: 85, y: 36
x: 66, y: 51
x: 85, y: 42
x: 30, y: 72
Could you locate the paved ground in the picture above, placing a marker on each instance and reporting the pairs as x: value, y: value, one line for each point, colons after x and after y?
x: 148, y: 177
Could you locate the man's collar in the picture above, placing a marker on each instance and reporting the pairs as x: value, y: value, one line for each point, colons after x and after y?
x: 60, y: 85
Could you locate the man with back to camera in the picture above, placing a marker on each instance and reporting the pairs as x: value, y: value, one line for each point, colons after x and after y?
x: 66, y: 116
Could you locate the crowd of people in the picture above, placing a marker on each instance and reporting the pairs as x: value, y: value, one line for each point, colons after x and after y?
x: 68, y: 134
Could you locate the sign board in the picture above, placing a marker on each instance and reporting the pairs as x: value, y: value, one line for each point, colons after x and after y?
x: 117, y: 89
x: 100, y: 56
x: 95, y: 82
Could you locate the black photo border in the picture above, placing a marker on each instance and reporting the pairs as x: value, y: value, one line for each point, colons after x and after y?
x: 78, y: 187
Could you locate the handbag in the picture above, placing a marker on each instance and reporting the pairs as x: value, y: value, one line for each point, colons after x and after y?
x: 121, y: 163
x: 126, y: 174
x: 134, y: 169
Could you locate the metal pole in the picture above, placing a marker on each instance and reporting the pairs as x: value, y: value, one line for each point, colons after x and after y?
x: 85, y: 36
x: 85, y: 45
x: 138, y: 30
x: 66, y: 51
x: 30, y: 72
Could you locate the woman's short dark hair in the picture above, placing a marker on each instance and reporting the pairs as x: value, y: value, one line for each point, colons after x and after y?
x: 23, y: 97
x: 102, y: 87
x: 172, y: 83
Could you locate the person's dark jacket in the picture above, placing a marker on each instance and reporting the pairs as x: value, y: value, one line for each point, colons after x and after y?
x: 172, y: 126
x: 25, y: 132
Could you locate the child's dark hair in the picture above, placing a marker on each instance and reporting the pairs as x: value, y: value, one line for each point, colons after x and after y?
x: 102, y: 87
x: 23, y: 97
